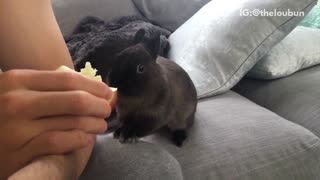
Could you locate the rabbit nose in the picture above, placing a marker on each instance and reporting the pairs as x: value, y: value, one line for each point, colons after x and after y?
x: 107, y: 78
x: 113, y: 80
x: 113, y: 83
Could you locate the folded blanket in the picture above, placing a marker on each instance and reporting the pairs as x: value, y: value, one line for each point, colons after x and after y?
x: 99, y: 42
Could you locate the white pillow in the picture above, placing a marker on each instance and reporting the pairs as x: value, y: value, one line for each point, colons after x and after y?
x: 299, y: 50
x: 217, y: 46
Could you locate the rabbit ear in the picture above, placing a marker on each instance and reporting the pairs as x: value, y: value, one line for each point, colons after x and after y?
x: 139, y: 36
x: 154, y: 45
x: 151, y: 44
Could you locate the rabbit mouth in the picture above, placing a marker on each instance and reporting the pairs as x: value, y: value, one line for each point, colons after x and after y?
x: 107, y: 79
x: 111, y: 81
x: 115, y: 82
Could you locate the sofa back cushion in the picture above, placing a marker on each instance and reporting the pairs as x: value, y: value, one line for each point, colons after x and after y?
x: 70, y: 12
x: 169, y: 14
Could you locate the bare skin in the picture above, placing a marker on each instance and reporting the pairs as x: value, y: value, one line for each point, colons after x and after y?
x: 30, y: 36
x: 48, y: 119
x: 39, y: 118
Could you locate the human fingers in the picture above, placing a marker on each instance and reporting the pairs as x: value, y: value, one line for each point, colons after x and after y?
x: 56, y: 142
x: 54, y: 81
x: 87, y: 124
x: 44, y: 104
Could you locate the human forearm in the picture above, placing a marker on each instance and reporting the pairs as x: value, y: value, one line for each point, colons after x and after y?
x: 30, y: 36
x: 67, y: 167
x: 50, y: 167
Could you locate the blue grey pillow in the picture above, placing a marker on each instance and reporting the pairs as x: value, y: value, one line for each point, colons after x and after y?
x: 218, y: 46
x: 169, y: 14
x: 299, y: 50
x: 313, y: 18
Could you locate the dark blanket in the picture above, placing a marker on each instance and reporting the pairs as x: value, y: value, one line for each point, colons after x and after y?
x: 99, y: 42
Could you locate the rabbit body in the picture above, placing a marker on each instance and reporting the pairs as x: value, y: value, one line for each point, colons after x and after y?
x: 153, y: 92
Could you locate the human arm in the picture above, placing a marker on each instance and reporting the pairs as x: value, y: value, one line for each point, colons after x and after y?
x: 30, y: 36
x: 31, y: 39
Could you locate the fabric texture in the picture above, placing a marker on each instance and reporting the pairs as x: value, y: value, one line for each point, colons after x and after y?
x: 98, y: 42
x: 70, y: 12
x: 232, y: 138
x: 296, y: 98
x: 235, y: 139
x: 169, y: 14
x: 299, y: 50
x: 218, y: 46
x: 142, y: 161
x: 313, y: 18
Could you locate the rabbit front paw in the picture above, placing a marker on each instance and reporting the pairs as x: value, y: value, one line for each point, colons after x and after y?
x: 126, y: 134
x: 178, y: 137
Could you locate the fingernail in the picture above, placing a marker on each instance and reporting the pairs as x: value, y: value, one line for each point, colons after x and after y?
x: 109, y: 94
x: 105, y: 126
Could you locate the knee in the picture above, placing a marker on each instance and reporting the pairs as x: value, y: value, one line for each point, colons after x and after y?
x: 143, y: 161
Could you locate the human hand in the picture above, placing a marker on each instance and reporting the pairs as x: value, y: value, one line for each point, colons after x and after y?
x: 47, y: 112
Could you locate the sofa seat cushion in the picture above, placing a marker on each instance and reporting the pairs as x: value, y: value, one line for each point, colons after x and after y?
x: 296, y: 98
x: 111, y: 160
x: 233, y: 139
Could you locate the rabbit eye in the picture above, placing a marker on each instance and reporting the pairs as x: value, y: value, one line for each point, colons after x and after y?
x: 140, y: 69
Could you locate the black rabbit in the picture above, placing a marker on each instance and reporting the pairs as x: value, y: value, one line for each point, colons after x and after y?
x: 97, y: 41
x: 153, y: 92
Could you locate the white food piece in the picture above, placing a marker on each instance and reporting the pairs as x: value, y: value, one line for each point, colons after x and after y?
x: 90, y: 72
x: 87, y: 71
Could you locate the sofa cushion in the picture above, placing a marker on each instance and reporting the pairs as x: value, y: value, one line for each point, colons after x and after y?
x: 111, y: 160
x: 169, y: 14
x: 219, y: 44
x: 297, y: 51
x: 296, y: 98
x: 70, y: 12
x: 233, y: 138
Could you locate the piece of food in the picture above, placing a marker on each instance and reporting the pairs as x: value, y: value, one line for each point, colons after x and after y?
x: 64, y: 69
x: 90, y: 72
x: 87, y: 71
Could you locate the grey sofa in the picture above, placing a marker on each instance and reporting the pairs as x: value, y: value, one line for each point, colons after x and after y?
x: 261, y: 130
